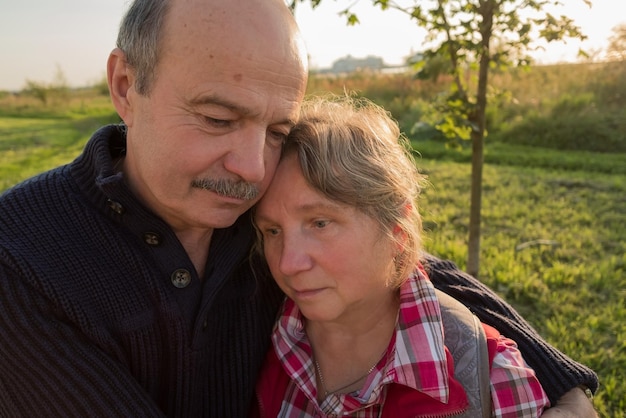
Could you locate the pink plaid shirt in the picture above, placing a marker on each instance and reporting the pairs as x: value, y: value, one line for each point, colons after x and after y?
x: 515, y: 390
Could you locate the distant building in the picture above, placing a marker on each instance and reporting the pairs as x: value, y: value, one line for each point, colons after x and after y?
x: 350, y: 64
x: 371, y: 63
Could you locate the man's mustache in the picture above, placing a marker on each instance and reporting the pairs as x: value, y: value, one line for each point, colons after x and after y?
x: 230, y: 188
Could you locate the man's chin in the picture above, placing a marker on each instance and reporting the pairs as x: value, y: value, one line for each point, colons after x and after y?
x: 225, y: 217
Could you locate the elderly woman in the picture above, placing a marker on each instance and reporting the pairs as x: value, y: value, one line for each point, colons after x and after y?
x: 362, y: 333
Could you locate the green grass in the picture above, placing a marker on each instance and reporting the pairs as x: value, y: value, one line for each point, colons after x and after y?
x: 34, y: 137
x: 571, y: 285
x: 526, y: 156
x: 554, y: 224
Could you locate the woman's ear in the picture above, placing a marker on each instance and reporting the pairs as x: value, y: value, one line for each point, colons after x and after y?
x: 399, y: 237
x: 399, y: 234
x: 120, y: 78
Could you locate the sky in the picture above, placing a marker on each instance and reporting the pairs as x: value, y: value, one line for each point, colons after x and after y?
x: 40, y: 38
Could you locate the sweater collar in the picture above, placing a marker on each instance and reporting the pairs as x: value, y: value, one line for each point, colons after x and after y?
x: 104, y: 186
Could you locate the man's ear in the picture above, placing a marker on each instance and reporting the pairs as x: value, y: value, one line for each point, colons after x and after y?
x: 120, y: 77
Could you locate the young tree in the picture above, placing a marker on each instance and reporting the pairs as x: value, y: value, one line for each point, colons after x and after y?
x: 476, y: 36
x: 616, y: 51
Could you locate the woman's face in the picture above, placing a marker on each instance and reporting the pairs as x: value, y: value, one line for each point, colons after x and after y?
x: 331, y: 259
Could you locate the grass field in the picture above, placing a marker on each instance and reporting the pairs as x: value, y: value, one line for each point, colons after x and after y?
x: 35, y: 137
x: 553, y: 245
x: 554, y: 226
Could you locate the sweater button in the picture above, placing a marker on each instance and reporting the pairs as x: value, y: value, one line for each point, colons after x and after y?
x: 152, y: 238
x: 115, y: 206
x: 181, y: 278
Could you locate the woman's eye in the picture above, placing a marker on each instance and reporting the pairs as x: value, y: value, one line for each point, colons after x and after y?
x: 270, y: 232
x: 321, y: 223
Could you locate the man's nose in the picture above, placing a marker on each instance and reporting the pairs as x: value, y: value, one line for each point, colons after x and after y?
x: 246, y: 158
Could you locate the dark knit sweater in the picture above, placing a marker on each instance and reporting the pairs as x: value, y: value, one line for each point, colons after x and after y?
x: 91, y: 323
x: 102, y: 313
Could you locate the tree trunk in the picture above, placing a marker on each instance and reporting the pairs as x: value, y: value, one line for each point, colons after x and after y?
x: 487, y: 10
x: 473, y: 251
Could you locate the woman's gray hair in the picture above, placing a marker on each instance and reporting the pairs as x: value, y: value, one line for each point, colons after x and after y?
x: 139, y: 37
x: 352, y: 151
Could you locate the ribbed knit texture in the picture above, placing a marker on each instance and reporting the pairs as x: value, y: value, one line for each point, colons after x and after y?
x: 557, y: 372
x: 90, y: 322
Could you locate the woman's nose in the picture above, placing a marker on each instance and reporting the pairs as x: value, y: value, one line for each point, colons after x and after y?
x: 294, y: 257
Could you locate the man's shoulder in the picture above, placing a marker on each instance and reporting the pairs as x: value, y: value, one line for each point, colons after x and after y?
x: 56, y: 191
x: 36, y: 196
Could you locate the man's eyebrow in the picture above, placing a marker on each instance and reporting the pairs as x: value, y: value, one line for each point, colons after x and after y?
x: 233, y: 107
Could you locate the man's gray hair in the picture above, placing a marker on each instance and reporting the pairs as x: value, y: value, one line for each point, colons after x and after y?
x: 139, y: 37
